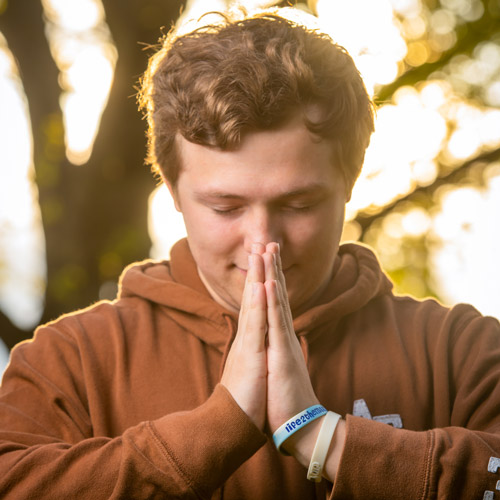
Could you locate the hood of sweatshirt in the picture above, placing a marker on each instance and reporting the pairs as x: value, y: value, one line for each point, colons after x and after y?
x: 176, y: 287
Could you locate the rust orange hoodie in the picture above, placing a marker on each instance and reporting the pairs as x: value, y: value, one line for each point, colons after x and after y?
x: 121, y: 400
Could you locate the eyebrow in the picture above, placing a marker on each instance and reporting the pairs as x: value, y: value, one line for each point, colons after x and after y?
x: 293, y: 193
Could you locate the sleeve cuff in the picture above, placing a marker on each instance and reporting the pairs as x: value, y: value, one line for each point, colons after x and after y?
x: 377, y: 456
x: 209, y: 443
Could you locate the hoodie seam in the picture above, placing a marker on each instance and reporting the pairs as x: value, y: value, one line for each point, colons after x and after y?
x: 428, y: 466
x: 167, y: 453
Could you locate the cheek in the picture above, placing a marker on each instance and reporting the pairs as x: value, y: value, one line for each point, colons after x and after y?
x: 209, y: 234
x: 321, y: 233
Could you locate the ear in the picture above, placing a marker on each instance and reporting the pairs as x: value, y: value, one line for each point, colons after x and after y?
x: 173, y: 193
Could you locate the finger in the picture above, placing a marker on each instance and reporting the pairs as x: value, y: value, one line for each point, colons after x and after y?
x: 254, y: 300
x: 270, y: 268
x: 254, y: 321
x: 285, y: 304
x: 273, y: 247
x: 270, y: 260
x: 258, y: 248
x: 279, y: 267
x: 276, y: 318
x: 273, y: 270
x: 282, y: 301
x: 255, y: 271
x: 255, y: 274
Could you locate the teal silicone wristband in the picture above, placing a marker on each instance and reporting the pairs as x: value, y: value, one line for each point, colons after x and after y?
x: 296, y: 423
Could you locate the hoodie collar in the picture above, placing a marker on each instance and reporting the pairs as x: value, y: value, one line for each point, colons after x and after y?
x: 176, y: 286
x: 356, y: 280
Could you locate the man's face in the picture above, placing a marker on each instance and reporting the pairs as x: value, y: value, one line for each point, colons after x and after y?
x: 280, y: 186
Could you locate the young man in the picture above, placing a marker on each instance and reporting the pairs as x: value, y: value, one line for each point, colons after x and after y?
x: 259, y: 320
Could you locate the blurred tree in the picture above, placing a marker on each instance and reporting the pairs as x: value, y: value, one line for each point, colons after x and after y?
x: 451, y: 48
x: 94, y: 216
x: 458, y: 42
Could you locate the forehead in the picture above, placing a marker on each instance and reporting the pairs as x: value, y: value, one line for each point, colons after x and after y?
x: 279, y: 160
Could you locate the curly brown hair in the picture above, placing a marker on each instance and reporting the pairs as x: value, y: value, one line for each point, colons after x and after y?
x: 217, y: 82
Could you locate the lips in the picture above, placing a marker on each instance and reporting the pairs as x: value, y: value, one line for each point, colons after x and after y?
x: 286, y: 269
x: 244, y: 271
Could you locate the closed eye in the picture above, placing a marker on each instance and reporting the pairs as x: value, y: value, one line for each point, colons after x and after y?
x: 225, y: 211
x: 298, y: 208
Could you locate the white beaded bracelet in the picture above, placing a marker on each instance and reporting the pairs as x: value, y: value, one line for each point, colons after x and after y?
x: 322, y: 445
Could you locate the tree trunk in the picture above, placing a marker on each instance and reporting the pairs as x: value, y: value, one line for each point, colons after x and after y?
x: 94, y: 216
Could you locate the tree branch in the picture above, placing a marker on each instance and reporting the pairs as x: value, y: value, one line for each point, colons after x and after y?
x: 468, y: 36
x: 365, y: 219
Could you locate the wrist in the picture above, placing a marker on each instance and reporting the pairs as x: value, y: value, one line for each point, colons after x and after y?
x: 301, y: 446
x: 296, y: 423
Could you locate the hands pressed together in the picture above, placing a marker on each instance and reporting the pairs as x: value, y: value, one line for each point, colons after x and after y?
x: 265, y: 371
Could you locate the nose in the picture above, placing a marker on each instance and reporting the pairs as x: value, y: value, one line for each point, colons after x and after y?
x: 261, y: 226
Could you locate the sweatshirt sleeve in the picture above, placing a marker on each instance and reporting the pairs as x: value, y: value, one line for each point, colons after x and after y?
x: 459, y: 460
x: 48, y: 449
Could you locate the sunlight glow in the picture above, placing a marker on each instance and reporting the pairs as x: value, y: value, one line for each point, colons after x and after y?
x: 416, y: 222
x: 411, y: 131
x: 419, y: 131
x: 166, y: 225
x: 409, y: 135
x: 22, y: 245
x: 195, y: 9
x: 475, y: 130
x: 82, y: 48
x: 85, y: 102
x: 4, y: 357
x: 75, y: 16
x: 477, y: 74
x: 369, y: 32
x: 407, y: 8
x: 468, y: 10
x: 465, y: 254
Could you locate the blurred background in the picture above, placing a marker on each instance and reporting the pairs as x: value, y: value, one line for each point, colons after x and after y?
x: 77, y: 203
